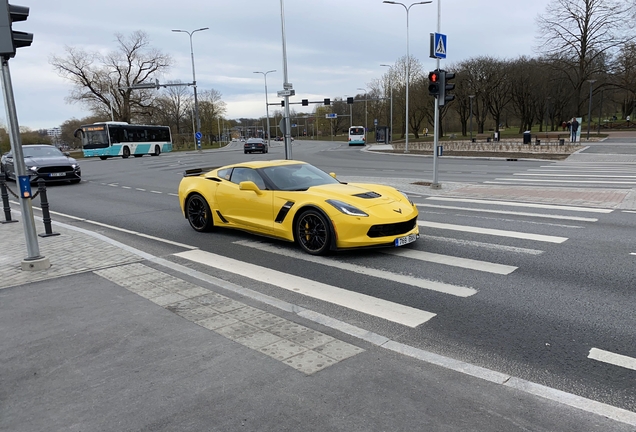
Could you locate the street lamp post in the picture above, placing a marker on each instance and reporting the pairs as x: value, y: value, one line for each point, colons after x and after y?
x: 366, y: 123
x: 391, y: 115
x: 471, y: 97
x: 286, y: 86
x: 589, y: 109
x: 408, y: 64
x: 266, y: 102
x: 194, y: 83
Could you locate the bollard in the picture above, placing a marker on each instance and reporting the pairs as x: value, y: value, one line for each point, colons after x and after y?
x: 5, y: 201
x: 46, y: 216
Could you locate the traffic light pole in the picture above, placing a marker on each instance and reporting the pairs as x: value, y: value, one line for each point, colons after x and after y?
x: 33, y: 261
x: 435, y: 184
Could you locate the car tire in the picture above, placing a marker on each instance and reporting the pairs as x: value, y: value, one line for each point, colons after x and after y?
x: 245, y: 151
x: 313, y: 232
x: 199, y: 214
x: 126, y: 153
x: 103, y: 157
x: 157, y: 151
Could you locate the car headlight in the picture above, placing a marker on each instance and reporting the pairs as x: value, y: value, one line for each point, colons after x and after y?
x: 75, y: 166
x: 407, y: 197
x: 33, y: 168
x: 347, y: 208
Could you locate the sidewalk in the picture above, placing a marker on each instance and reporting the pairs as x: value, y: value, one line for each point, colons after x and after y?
x: 112, y: 338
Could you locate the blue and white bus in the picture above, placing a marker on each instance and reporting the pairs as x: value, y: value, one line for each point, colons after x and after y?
x: 357, y: 136
x: 112, y: 139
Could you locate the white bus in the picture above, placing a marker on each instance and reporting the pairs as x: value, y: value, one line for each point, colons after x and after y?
x: 110, y: 139
x: 357, y: 136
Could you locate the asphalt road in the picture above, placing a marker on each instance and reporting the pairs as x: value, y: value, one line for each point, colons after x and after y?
x: 533, y: 304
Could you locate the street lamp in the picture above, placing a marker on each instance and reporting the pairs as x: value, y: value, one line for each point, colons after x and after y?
x: 391, y: 89
x: 266, y: 103
x: 589, y: 109
x: 366, y: 123
x: 408, y: 63
x: 471, y: 97
x: 194, y: 83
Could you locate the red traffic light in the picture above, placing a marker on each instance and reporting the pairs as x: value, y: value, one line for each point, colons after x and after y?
x: 433, y: 77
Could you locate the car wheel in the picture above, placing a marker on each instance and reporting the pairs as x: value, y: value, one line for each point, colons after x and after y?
x: 157, y: 151
x: 103, y: 157
x: 126, y: 153
x: 245, y: 151
x: 137, y: 155
x: 312, y: 232
x: 199, y: 214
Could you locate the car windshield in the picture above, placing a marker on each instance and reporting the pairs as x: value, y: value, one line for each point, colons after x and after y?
x: 40, y: 151
x: 297, y: 177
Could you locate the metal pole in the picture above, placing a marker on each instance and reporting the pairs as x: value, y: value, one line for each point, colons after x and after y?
x: 286, y: 86
x: 266, y: 101
x: 28, y: 222
x: 600, y: 113
x: 589, y: 110
x: 471, y: 117
x: 435, y: 184
x: 194, y: 85
x: 391, y: 115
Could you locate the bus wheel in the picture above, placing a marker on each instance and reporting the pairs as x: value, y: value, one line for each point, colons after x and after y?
x: 103, y: 157
x: 126, y: 153
x: 157, y: 151
x: 137, y: 155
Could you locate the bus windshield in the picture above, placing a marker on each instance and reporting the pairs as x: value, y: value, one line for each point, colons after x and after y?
x: 94, y: 137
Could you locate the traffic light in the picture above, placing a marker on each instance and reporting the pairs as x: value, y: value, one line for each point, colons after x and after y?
x: 282, y: 103
x: 349, y: 100
x: 434, y: 79
x: 10, y: 39
x: 445, y: 87
x: 327, y: 101
x: 305, y: 102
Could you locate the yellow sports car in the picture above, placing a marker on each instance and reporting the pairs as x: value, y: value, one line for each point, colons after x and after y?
x: 297, y: 202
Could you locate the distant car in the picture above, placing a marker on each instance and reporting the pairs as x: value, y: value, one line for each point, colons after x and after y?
x: 45, y: 162
x: 297, y: 202
x: 278, y: 139
x: 255, y: 144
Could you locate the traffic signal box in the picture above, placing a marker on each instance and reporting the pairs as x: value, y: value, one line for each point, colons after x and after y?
x: 439, y: 86
x: 10, y: 39
x: 434, y: 79
x: 349, y: 100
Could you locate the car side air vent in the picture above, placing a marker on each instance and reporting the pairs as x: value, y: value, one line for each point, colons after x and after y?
x: 368, y: 195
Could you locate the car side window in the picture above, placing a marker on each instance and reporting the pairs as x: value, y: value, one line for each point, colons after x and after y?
x: 224, y: 173
x: 247, y: 174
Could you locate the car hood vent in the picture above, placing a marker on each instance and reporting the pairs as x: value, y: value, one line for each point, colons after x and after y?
x: 368, y: 195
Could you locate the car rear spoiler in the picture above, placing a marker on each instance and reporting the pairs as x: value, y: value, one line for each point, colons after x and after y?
x: 197, y: 171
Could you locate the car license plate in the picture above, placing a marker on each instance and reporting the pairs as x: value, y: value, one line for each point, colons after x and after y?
x: 57, y: 174
x: 401, y: 241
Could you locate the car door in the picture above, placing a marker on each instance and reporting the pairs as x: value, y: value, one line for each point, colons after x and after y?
x: 246, y: 209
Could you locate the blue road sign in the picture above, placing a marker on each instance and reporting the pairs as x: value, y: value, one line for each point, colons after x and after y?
x: 439, y: 46
x: 198, y: 135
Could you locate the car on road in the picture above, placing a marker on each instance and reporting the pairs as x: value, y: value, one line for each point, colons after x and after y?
x: 297, y: 202
x: 255, y: 145
x: 44, y: 161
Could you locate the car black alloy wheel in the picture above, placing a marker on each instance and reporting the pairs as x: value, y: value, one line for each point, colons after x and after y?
x: 313, y: 233
x: 126, y: 153
x: 199, y: 214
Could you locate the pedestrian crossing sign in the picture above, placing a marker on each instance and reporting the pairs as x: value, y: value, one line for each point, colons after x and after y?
x: 438, y: 46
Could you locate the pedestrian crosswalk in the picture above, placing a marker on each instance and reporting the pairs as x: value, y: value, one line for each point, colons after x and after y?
x: 453, y: 246
x: 589, y: 174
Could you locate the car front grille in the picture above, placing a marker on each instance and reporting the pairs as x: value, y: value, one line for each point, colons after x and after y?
x: 393, y: 229
x: 55, y: 169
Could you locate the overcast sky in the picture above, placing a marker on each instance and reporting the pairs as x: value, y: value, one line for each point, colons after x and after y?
x: 334, y: 47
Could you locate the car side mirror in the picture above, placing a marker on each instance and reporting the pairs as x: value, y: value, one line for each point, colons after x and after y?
x: 332, y: 174
x: 67, y: 154
x: 250, y: 186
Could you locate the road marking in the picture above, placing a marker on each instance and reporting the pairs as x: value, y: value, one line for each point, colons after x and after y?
x: 572, y: 175
x: 455, y: 290
x: 568, y: 181
x: 390, y: 311
x: 139, y: 189
x: 454, y: 261
x: 529, y: 183
x: 546, y: 216
x: 156, y: 192
x: 494, y: 232
x: 612, y: 358
x: 632, y: 253
x: 491, y: 246
x: 628, y: 211
x: 173, y: 194
x: 518, y: 204
x: 126, y: 187
x: 113, y: 185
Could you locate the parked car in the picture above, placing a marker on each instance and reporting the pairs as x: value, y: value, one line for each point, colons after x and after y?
x: 297, y: 202
x: 255, y: 144
x: 45, y: 162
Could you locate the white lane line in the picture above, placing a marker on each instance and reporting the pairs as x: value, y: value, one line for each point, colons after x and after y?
x: 529, y: 183
x: 632, y: 253
x: 455, y: 290
x: 490, y: 246
x: 173, y: 194
x: 494, y: 232
x: 140, y: 189
x: 113, y: 185
x: 520, y: 204
x: 568, y: 181
x: 390, y: 311
x: 468, y: 263
x: 628, y: 211
x: 126, y: 187
x: 156, y: 192
x: 574, y: 175
x: 539, y: 215
x: 612, y: 358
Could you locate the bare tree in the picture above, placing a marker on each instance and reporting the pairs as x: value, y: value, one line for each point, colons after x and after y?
x: 583, y: 34
x: 102, y: 81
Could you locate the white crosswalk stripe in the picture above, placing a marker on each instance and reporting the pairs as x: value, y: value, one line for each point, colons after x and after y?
x: 493, y: 232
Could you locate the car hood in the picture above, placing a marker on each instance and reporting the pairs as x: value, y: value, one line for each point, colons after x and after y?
x: 360, y: 195
x: 49, y: 161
